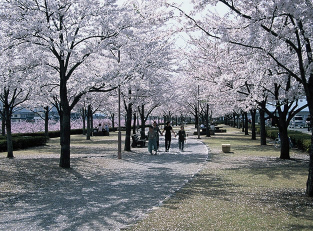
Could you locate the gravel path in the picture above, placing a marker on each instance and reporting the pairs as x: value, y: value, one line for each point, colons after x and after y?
x: 99, y: 192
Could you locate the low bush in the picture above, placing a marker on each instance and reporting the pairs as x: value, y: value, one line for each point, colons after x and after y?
x: 272, y: 133
x: 300, y: 140
x: 22, y: 142
x: 52, y: 134
x: 26, y: 140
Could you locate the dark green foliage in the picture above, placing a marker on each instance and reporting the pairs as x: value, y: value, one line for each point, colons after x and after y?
x: 52, y: 134
x: 22, y: 142
x: 26, y: 140
x: 272, y: 133
x: 300, y: 140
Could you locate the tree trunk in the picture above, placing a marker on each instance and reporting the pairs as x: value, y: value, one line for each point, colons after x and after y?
x: 9, y: 133
x: 47, y: 122
x: 65, y: 121
x: 142, y: 116
x: 127, y: 146
x: 89, y: 115
x: 243, y: 122
x: 262, y: 127
x: 284, y: 143
x: 134, y: 123
x: 196, y: 118
x: 84, y: 120
x: 207, y: 124
x: 65, y: 132
x: 309, y: 183
x: 113, y: 122
x: 246, y: 124
x: 253, y: 113
x: 91, y: 121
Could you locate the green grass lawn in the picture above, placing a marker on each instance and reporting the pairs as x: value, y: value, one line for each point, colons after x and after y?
x: 247, y: 189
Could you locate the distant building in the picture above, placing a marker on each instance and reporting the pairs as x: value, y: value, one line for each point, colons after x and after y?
x: 30, y: 116
x: 22, y: 115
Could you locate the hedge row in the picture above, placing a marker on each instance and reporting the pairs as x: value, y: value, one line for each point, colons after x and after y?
x: 301, y: 140
x: 26, y: 140
x: 52, y: 134
x: 22, y: 142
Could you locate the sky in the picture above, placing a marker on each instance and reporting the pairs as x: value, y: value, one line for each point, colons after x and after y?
x: 187, y: 7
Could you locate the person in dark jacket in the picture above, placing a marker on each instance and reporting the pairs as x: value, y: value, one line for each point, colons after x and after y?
x: 168, y: 129
x: 181, y: 138
x: 157, y: 131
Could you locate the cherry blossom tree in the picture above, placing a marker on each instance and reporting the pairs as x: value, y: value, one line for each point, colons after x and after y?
x: 280, y: 30
x: 17, y: 75
x: 69, y: 35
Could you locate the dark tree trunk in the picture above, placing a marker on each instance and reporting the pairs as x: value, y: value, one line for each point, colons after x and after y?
x: 243, y: 122
x: 262, y: 127
x: 196, y: 118
x: 113, y: 122
x: 253, y: 113
x: 65, y: 132
x: 207, y: 124
x: 47, y: 121
x: 309, y: 183
x: 142, y: 117
x: 246, y: 124
x: 284, y: 143
x: 91, y: 122
x: 89, y: 115
x: 127, y: 146
x: 9, y: 132
x: 65, y: 120
x: 134, y: 123
x: 84, y: 120
x: 283, y: 132
x: 237, y: 123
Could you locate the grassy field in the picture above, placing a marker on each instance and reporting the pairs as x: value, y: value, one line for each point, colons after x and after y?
x: 249, y: 188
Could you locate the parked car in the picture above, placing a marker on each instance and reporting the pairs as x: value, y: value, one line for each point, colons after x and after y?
x: 298, y: 122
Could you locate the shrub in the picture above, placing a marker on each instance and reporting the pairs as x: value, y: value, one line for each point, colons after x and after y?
x: 301, y: 140
x: 22, y: 142
x: 272, y: 133
x: 26, y: 140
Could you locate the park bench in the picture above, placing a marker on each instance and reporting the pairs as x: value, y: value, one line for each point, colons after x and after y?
x: 219, y: 130
x: 100, y: 133
x: 137, y: 142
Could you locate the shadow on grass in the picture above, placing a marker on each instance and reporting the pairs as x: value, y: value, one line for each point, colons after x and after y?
x: 255, y: 182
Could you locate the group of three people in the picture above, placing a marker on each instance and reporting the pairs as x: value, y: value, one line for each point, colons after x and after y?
x: 153, y: 137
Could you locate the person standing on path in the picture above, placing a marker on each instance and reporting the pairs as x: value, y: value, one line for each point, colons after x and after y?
x: 181, y: 138
x: 157, y: 131
x: 168, y: 129
x: 152, y: 141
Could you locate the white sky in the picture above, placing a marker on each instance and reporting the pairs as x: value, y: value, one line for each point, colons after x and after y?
x: 187, y: 7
